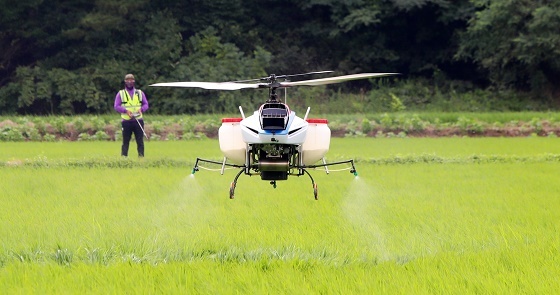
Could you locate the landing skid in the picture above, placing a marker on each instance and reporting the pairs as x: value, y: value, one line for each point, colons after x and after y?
x: 302, y: 170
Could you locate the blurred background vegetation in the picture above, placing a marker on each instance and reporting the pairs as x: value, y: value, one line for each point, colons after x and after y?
x: 64, y: 57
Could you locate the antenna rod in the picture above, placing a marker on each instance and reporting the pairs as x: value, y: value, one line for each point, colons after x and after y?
x: 241, y: 111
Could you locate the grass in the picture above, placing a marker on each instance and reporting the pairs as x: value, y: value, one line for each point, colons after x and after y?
x: 359, y: 148
x: 400, y: 227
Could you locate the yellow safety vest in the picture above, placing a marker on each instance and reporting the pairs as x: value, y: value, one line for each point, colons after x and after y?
x: 131, y: 104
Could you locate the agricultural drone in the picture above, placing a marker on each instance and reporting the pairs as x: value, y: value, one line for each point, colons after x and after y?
x: 273, y: 142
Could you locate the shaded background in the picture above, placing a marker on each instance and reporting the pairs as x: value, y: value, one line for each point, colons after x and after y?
x: 69, y: 57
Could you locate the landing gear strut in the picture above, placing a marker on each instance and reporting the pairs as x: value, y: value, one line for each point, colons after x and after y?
x: 301, y: 171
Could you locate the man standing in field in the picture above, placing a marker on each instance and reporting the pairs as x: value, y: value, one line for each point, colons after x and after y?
x: 131, y: 103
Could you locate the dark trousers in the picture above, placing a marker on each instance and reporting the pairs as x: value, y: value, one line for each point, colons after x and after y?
x: 129, y: 127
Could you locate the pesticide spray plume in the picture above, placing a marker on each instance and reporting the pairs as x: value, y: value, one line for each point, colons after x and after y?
x: 362, y: 208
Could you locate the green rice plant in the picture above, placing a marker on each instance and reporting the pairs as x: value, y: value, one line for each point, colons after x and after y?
x: 425, y: 215
x: 394, y: 223
x: 62, y: 256
x: 362, y: 149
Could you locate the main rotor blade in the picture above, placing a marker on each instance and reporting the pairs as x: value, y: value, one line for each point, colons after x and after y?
x: 333, y: 80
x: 208, y: 85
x: 282, y: 76
x: 304, y: 74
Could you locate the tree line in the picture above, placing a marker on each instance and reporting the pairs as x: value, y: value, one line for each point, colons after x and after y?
x: 70, y: 56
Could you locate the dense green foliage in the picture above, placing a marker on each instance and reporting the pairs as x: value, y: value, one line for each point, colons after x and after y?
x: 69, y: 57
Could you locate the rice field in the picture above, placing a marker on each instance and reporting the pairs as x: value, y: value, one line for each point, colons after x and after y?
x: 425, y: 215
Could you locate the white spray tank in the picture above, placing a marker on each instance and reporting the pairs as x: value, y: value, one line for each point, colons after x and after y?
x: 231, y: 141
x: 317, y: 142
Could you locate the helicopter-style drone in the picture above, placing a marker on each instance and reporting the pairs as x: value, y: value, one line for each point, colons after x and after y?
x: 273, y: 142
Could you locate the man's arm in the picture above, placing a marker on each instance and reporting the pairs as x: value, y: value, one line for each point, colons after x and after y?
x: 145, y: 105
x: 118, y: 104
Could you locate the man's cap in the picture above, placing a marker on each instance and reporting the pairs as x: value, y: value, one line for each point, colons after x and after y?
x: 129, y: 76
